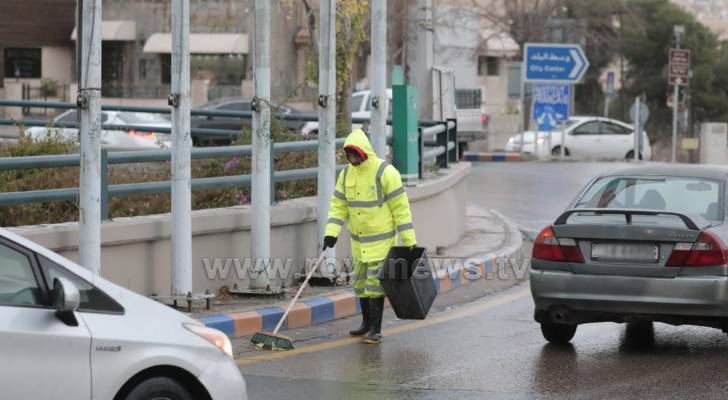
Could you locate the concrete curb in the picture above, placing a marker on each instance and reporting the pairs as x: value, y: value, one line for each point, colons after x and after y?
x: 473, y: 156
x: 342, y: 304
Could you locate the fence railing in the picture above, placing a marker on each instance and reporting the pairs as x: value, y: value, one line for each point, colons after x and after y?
x: 439, y: 137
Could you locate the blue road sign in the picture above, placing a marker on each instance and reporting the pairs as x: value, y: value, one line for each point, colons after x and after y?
x: 554, y: 63
x: 550, y: 105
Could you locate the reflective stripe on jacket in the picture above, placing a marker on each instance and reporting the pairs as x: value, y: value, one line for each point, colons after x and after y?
x: 371, y: 197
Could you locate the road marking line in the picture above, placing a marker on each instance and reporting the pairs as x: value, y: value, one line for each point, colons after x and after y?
x: 457, y: 314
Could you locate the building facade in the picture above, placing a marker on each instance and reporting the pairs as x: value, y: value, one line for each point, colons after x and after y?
x: 136, y: 46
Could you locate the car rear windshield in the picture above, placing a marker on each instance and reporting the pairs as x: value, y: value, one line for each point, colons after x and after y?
x: 698, y: 198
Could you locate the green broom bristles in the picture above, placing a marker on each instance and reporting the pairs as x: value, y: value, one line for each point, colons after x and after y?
x: 268, y: 341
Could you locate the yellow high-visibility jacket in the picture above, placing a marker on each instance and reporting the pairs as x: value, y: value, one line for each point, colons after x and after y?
x: 371, y: 197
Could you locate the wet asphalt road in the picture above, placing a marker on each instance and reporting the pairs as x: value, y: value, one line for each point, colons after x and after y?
x: 531, y: 194
x: 490, y: 347
x: 500, y: 354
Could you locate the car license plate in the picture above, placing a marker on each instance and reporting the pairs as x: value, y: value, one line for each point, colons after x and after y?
x: 625, y: 252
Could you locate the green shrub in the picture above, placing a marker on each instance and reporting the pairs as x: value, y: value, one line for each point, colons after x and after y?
x: 147, y: 204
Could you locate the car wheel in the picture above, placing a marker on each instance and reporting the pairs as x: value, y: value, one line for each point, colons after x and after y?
x: 558, y: 333
x: 556, y: 151
x: 630, y: 155
x: 159, y: 388
x: 640, y: 333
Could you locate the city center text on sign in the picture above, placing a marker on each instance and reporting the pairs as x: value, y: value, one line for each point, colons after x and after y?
x: 554, y: 63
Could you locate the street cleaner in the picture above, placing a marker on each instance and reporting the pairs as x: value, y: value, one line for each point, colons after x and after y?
x: 370, y: 196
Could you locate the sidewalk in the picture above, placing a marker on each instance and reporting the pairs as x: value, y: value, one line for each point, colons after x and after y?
x: 490, y: 240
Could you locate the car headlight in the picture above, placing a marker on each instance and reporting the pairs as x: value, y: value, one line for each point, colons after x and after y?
x: 213, y: 336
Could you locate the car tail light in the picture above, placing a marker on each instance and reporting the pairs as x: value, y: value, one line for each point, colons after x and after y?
x: 484, y: 119
x: 708, y: 251
x: 550, y: 248
x: 143, y: 135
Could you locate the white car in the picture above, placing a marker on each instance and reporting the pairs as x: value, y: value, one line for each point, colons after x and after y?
x: 586, y: 137
x: 65, y: 334
x: 114, y: 139
x: 361, y: 107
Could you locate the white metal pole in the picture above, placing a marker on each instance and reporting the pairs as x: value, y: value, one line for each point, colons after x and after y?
x: 327, y: 118
x: 562, y: 148
x: 90, y: 109
x: 425, y: 58
x: 637, y: 128
x: 550, y: 145
x: 522, y: 121
x: 675, y: 103
x: 378, y: 127
x: 181, y: 151
x: 563, y: 123
x: 261, y: 165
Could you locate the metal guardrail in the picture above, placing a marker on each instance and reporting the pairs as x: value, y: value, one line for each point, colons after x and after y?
x: 440, y: 134
x: 299, y: 116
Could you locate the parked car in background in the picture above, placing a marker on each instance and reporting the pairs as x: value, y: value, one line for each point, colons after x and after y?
x: 361, y: 107
x: 638, y: 245
x: 124, y: 139
x: 67, y: 334
x: 471, y: 117
x: 238, y: 104
x: 587, y: 137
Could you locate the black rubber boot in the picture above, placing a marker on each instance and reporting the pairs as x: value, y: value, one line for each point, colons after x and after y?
x: 364, y: 328
x: 376, y: 309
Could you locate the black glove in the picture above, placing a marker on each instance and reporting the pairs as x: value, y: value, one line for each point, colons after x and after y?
x: 329, y: 242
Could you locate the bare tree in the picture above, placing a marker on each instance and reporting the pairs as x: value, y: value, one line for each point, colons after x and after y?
x: 352, y: 18
x: 523, y: 20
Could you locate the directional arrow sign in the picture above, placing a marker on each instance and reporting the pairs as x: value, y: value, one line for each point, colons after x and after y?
x: 554, y: 63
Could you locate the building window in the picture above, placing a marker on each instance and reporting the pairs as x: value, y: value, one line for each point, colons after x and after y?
x: 166, y: 61
x: 22, y: 63
x: 143, y: 68
x: 488, y: 66
x: 220, y: 69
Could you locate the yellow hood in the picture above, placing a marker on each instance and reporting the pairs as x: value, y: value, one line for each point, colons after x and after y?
x: 357, y: 138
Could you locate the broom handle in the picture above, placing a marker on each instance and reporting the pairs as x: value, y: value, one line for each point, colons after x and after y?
x: 300, y: 290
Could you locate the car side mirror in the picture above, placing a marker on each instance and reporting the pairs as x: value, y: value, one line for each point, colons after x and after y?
x: 66, y: 300
x: 209, y: 117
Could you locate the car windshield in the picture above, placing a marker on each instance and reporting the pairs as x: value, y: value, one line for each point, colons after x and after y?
x: 356, y: 102
x: 698, y: 198
x: 142, y: 118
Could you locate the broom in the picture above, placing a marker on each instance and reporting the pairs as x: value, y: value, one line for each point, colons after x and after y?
x: 273, y: 341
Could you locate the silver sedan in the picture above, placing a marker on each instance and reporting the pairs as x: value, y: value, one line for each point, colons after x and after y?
x: 644, y: 244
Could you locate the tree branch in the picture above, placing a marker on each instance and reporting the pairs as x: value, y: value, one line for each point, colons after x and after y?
x: 311, y: 22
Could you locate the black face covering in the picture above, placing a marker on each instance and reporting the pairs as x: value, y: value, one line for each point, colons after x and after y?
x: 350, y: 153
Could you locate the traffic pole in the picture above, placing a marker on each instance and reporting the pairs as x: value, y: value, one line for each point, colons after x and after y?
x: 675, y: 102
x: 522, y: 121
x: 179, y: 100
x: 327, y: 119
x: 379, y: 98
x: 637, y: 128
x: 89, y: 104
x: 261, y: 163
